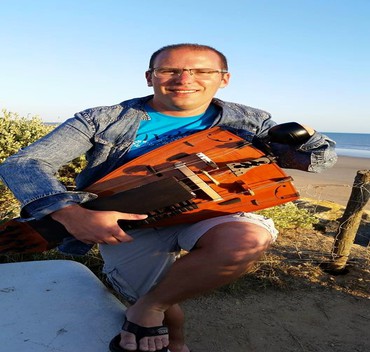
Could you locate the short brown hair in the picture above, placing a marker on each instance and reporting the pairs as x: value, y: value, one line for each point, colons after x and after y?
x: 191, y: 46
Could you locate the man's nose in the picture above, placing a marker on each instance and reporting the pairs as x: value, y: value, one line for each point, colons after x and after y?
x: 185, y: 75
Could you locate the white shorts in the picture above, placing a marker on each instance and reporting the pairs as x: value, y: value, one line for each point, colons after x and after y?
x: 133, y: 268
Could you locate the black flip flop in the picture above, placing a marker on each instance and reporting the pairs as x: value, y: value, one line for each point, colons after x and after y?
x: 139, y: 332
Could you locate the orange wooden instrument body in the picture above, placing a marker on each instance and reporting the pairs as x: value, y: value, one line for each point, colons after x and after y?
x: 225, y: 174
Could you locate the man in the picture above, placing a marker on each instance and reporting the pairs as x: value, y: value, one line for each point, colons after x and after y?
x: 141, y: 264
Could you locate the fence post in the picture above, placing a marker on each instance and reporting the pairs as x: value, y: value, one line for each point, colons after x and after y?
x: 350, y: 221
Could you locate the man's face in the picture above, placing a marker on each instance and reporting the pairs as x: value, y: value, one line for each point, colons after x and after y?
x: 186, y: 94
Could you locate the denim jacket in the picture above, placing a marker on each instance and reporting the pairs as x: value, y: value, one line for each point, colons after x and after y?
x: 106, y: 133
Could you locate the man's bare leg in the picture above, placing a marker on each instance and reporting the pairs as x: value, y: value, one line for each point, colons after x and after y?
x: 222, y: 255
x: 174, y: 320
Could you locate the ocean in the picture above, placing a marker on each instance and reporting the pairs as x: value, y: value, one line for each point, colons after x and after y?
x: 351, y: 144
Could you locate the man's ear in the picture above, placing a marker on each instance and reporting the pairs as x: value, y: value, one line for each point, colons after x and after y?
x: 225, y: 80
x: 148, y: 77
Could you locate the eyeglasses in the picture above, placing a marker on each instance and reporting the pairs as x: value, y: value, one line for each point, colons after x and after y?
x: 200, y: 73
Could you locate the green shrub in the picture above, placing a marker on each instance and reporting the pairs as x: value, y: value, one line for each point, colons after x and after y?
x: 18, y: 132
x: 289, y: 216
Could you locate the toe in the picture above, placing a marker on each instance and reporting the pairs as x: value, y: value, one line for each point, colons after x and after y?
x: 128, y: 341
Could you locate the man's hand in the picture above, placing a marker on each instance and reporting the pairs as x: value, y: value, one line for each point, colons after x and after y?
x: 92, y: 226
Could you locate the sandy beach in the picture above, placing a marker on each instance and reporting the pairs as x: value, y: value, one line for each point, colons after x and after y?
x: 333, y: 185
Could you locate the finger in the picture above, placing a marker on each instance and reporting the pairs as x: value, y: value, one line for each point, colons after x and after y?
x: 130, y: 216
x: 117, y: 237
x: 122, y: 236
x: 112, y: 240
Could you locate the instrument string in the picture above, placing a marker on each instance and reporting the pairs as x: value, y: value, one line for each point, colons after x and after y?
x: 189, y: 161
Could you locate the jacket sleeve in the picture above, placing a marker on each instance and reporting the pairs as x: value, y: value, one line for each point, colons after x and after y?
x: 315, y: 155
x: 30, y: 173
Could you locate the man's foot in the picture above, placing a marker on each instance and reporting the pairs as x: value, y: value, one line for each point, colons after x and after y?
x: 149, y: 338
x: 141, y: 338
x: 142, y: 330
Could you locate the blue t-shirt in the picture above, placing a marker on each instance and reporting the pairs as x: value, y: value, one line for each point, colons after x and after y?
x: 162, y: 129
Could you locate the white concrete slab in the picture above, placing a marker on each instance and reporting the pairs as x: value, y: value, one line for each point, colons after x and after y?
x: 56, y: 305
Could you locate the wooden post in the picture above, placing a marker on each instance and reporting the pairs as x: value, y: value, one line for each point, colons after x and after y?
x: 350, y: 221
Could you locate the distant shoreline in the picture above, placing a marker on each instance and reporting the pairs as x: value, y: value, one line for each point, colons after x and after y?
x: 353, y: 153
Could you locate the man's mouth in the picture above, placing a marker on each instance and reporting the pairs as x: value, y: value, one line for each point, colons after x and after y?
x: 183, y: 91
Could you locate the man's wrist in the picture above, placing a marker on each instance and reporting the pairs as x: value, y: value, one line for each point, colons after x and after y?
x: 66, y: 212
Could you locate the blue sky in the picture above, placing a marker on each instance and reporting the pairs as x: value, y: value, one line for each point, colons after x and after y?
x: 301, y: 60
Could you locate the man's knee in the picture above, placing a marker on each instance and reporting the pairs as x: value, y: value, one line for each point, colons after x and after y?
x: 236, y: 242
